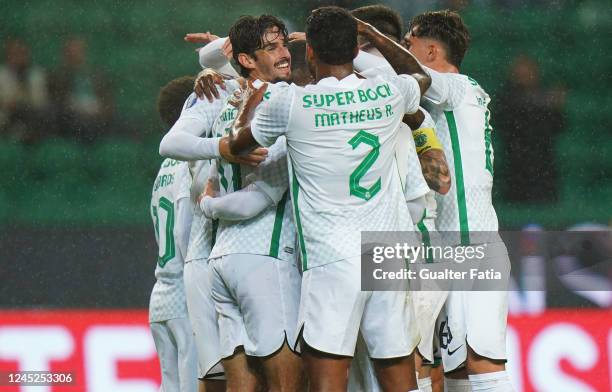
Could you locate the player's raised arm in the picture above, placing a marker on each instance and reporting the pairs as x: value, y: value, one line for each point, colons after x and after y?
x: 241, y: 139
x: 261, y: 123
x: 184, y: 141
x: 402, y: 61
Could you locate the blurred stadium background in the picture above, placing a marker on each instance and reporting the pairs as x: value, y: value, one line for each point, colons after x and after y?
x: 76, y: 242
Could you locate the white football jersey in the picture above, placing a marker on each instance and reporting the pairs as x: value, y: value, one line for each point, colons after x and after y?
x: 271, y: 232
x: 202, y: 233
x: 198, y: 118
x: 459, y: 107
x: 341, y: 139
x: 168, y: 295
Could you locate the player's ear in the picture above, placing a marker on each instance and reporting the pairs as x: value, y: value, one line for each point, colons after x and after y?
x: 246, y: 61
x: 432, y: 53
x: 310, y: 56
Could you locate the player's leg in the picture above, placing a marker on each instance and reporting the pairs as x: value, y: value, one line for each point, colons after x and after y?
x: 214, y: 381
x: 391, y: 334
x: 182, y: 333
x: 267, y: 292
x: 436, y: 370
x: 486, y: 322
x: 423, y: 371
x: 457, y: 381
x: 203, y: 318
x: 168, y: 356
x: 450, y: 330
x: 326, y: 372
x: 486, y: 355
x: 284, y: 370
x: 240, y: 372
x: 362, y: 376
x: 331, y: 307
x: 240, y: 375
x: 396, y: 374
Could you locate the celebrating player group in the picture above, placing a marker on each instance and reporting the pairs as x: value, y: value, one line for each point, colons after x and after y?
x: 279, y: 155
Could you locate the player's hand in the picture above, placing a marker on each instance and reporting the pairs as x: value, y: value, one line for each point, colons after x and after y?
x: 200, y: 38
x: 253, y: 158
x: 252, y: 97
x: 206, y: 84
x: 212, y: 188
x: 297, y: 35
x: 227, y: 49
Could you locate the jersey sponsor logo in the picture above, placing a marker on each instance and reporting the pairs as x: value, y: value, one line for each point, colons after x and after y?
x: 347, y: 97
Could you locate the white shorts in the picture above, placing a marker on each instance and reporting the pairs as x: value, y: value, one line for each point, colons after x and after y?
x: 203, y: 317
x: 427, y: 307
x: 257, y: 300
x: 177, y: 355
x: 474, y: 318
x: 333, y: 310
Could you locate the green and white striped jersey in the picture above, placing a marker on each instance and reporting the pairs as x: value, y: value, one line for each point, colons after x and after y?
x: 459, y: 107
x: 271, y: 232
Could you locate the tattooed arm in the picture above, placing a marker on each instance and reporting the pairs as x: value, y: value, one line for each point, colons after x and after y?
x: 402, y: 61
x: 435, y: 170
x: 432, y: 158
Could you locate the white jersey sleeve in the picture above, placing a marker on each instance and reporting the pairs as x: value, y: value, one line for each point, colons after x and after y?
x: 371, y: 66
x: 189, y: 138
x: 409, y: 166
x: 446, y: 90
x: 211, y: 56
x: 272, y: 115
x: 409, y: 88
x: 236, y: 206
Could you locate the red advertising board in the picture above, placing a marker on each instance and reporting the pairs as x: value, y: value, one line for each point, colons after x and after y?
x: 558, y: 350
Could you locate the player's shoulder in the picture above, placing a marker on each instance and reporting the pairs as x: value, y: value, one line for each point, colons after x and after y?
x: 278, y: 90
x: 471, y: 86
x: 170, y: 165
x: 193, y: 104
x: 172, y: 176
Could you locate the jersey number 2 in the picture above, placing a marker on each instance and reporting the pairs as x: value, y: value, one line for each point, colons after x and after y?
x: 356, y: 189
x: 165, y: 238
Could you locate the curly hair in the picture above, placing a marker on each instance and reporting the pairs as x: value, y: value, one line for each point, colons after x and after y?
x: 446, y: 27
x: 385, y: 19
x: 171, y: 98
x: 332, y: 34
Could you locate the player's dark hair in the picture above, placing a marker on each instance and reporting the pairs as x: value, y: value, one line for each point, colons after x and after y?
x: 446, y: 27
x: 247, y: 35
x: 332, y: 34
x: 385, y: 19
x: 171, y: 98
x: 297, y: 49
